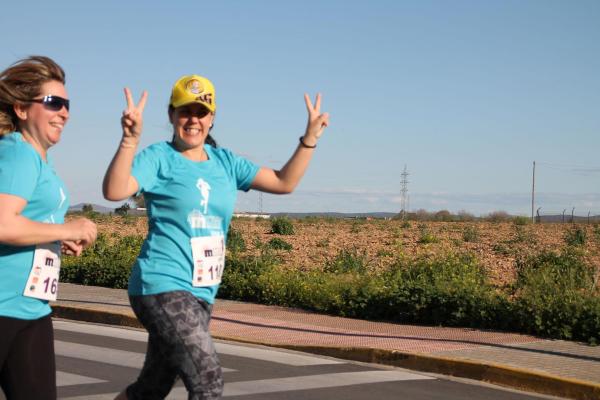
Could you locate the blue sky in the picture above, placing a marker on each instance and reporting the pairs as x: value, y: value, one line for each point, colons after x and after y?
x: 467, y: 94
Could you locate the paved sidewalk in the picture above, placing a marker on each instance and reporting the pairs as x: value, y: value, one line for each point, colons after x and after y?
x: 554, y: 367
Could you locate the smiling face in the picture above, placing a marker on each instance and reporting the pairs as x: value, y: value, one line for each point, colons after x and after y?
x: 191, y: 125
x: 39, y: 125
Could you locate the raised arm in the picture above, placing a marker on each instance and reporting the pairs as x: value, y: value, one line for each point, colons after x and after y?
x: 118, y: 183
x: 287, y: 178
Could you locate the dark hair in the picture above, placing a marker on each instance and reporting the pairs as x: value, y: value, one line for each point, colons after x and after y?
x: 209, y: 139
x: 21, y: 83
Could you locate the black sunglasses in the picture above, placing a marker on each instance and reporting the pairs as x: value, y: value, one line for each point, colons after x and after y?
x: 53, y: 103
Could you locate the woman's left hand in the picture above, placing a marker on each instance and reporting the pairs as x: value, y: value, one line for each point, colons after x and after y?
x: 71, y: 248
x: 317, y: 122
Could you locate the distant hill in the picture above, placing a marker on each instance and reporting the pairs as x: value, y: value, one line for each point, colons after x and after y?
x: 107, y: 210
x: 336, y: 215
x: 96, y: 207
x: 567, y: 218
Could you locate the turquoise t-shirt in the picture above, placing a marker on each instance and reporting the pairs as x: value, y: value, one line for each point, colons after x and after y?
x: 24, y: 173
x: 184, y: 199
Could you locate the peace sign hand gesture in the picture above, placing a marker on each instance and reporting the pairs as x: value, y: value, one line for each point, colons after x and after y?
x: 132, y: 120
x: 317, y: 122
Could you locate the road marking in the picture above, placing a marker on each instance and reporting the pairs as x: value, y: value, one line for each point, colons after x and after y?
x: 103, y: 396
x: 275, y: 356
x: 99, y: 354
x: 102, y: 330
x: 67, y: 379
x: 290, y: 384
x: 279, y: 357
x: 317, y: 382
x: 103, y: 354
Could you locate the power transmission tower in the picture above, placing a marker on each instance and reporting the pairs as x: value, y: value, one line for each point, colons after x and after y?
x: 404, y: 193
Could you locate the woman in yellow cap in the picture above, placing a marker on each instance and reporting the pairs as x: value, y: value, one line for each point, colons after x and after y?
x: 190, y: 187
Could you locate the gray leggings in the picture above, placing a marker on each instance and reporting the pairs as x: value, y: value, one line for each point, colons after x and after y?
x: 179, y: 344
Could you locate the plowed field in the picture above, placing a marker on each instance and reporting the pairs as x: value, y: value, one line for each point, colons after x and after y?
x: 319, y: 240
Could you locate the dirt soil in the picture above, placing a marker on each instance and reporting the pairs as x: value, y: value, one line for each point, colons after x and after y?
x: 317, y: 241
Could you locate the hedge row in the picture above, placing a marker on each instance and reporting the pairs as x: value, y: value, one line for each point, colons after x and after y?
x: 555, y: 294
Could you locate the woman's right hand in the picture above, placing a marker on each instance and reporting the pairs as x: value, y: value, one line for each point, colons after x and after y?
x: 132, y: 120
x: 81, y: 231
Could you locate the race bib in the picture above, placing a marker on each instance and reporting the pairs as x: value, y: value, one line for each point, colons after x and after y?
x: 209, y: 260
x: 43, y: 278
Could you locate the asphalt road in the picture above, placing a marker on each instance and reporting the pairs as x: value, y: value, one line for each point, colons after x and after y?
x: 95, y: 362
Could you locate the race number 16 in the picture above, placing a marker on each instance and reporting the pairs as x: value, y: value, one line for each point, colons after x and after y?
x: 53, y: 286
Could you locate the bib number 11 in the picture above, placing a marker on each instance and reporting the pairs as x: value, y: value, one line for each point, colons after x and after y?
x: 209, y: 260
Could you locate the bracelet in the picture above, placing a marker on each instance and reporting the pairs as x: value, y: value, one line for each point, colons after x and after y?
x: 305, y: 145
x: 127, y: 145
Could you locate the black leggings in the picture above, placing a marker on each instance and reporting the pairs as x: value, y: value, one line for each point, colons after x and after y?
x: 179, y: 344
x: 27, y: 366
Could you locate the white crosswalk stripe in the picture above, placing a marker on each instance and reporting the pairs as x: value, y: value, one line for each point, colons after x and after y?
x: 281, y: 357
x: 321, y: 381
x: 66, y: 379
x: 264, y: 386
x: 100, y: 354
x: 102, y: 330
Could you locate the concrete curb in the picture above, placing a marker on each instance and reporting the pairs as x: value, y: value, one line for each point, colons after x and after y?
x: 499, y: 374
x: 91, y: 315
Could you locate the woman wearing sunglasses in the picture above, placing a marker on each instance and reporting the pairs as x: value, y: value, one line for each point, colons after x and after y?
x: 34, y: 109
x: 190, y: 187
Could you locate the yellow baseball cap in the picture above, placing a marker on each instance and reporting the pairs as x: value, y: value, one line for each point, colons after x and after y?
x: 193, y: 89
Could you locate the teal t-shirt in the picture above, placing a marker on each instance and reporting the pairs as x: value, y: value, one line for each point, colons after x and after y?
x: 184, y: 199
x: 25, y: 174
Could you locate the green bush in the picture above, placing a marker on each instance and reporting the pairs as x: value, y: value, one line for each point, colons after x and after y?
x: 523, y: 235
x: 279, y: 244
x: 452, y: 290
x: 235, y: 241
x: 471, y: 234
x: 282, y: 226
x: 106, y: 263
x: 427, y: 237
x: 240, y: 277
x: 521, y: 220
x: 347, y: 260
x: 596, y: 231
x: 576, y: 236
x: 556, y: 296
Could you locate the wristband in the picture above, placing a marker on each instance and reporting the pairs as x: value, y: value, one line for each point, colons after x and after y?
x: 127, y: 145
x: 305, y: 145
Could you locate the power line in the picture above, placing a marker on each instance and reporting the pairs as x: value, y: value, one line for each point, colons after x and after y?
x: 404, y: 193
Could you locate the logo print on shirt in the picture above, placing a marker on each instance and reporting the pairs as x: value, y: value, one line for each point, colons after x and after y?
x: 63, y: 197
x: 204, y: 189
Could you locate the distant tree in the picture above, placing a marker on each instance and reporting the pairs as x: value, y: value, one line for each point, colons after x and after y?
x: 443, y: 215
x: 465, y: 216
x: 123, y: 210
x: 87, y: 208
x: 139, y: 201
x: 498, y: 216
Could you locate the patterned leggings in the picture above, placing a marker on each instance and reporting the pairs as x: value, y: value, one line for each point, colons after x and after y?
x: 179, y: 344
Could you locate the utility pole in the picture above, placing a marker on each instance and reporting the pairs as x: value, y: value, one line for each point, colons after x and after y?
x: 260, y: 202
x: 403, y: 193
x: 533, y: 194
